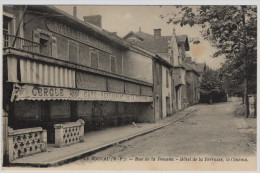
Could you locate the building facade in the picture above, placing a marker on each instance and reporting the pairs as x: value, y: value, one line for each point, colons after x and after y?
x: 58, y: 68
x: 185, y: 83
x: 163, y: 69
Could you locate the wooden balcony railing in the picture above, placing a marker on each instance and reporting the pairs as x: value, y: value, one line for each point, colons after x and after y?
x: 24, y: 44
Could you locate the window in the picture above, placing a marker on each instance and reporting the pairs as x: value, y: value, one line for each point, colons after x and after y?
x: 73, y: 52
x: 7, y: 22
x: 113, y: 64
x: 167, y: 79
x: 94, y: 59
x: 44, y: 45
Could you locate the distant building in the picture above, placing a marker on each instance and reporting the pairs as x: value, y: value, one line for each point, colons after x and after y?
x: 172, y: 49
x: 162, y: 69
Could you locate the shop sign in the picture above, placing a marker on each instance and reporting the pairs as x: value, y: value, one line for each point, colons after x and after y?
x: 29, y: 92
x: 68, y: 31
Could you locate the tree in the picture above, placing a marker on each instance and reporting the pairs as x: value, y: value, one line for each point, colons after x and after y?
x: 211, y: 83
x: 232, y: 30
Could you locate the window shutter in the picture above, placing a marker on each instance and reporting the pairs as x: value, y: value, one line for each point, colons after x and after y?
x: 113, y: 64
x: 73, y: 52
x: 54, y: 50
x: 94, y: 60
x: 36, y: 39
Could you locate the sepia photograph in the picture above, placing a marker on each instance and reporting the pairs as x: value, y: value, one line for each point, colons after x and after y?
x: 129, y: 87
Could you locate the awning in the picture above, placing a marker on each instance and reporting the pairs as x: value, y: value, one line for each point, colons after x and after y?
x: 30, y: 92
x: 45, y: 74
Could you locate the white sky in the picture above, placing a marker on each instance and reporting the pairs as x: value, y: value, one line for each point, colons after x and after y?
x: 123, y: 19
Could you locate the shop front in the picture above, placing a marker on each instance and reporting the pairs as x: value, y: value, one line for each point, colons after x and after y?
x: 46, y: 106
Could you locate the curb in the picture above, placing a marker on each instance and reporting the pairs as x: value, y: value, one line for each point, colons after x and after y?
x: 98, y: 148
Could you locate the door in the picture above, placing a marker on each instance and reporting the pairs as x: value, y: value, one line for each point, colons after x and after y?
x: 157, y: 108
x: 168, y: 107
x: 177, y: 98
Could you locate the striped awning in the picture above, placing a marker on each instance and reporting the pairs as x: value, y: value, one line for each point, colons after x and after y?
x: 38, y: 73
x: 30, y: 92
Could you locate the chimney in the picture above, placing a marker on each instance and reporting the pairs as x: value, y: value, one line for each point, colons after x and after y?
x: 95, y: 20
x: 188, y: 60
x: 75, y: 11
x: 157, y: 33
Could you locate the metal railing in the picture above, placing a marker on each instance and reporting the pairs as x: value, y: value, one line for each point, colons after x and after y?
x: 24, y: 44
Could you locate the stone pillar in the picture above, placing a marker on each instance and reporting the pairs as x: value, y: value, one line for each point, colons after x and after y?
x: 58, y: 135
x: 44, y: 139
x: 82, y: 123
x: 10, y: 144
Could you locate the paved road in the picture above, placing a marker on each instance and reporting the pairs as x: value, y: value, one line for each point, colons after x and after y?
x: 210, y: 131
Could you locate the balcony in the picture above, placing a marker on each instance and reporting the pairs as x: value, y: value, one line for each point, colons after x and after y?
x: 27, y: 48
x: 24, y: 45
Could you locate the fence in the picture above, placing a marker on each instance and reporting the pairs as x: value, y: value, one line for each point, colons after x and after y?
x: 24, y: 142
x: 69, y: 133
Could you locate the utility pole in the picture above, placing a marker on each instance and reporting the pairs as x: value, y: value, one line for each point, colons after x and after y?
x: 244, y: 54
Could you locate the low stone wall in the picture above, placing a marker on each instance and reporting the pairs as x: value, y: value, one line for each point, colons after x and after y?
x: 24, y: 142
x: 69, y: 133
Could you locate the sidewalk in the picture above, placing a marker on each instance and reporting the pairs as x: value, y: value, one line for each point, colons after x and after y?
x: 94, y: 141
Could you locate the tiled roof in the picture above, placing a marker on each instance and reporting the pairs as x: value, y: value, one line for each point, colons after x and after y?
x: 189, y: 67
x: 144, y: 35
x: 132, y: 33
x: 97, y: 31
x: 150, y: 43
x: 141, y: 35
x: 80, y: 24
x: 155, y: 45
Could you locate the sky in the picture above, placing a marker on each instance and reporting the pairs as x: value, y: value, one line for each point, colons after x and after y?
x: 123, y: 19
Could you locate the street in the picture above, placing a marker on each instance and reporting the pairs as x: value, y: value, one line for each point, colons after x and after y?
x: 209, y: 131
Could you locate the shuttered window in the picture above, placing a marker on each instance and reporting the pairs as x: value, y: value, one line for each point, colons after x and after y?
x: 113, y: 64
x: 54, y: 50
x: 73, y: 52
x: 94, y: 59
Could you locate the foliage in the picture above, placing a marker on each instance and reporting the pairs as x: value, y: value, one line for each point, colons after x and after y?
x: 211, y: 82
x: 234, y: 38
